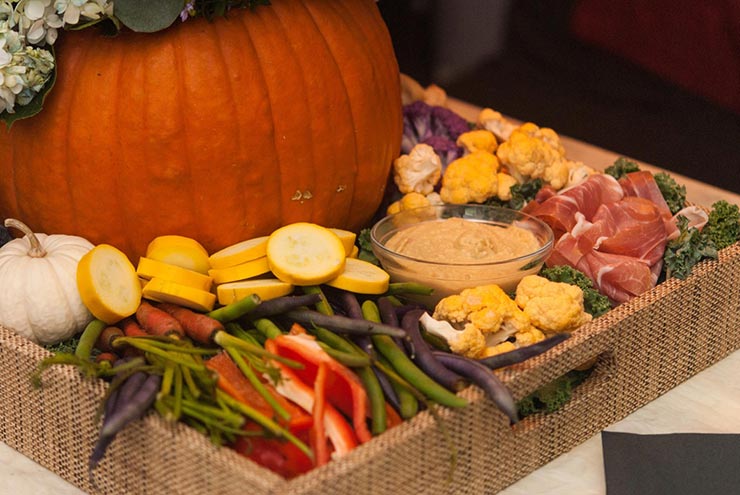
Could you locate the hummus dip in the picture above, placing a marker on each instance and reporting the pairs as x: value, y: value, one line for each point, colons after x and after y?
x: 460, y: 241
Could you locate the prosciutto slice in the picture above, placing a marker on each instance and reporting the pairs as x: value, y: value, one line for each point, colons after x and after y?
x: 642, y: 185
x: 559, y: 211
x: 618, y: 243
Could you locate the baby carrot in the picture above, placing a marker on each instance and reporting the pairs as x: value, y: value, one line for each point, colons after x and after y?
x: 199, y: 327
x: 131, y: 327
x: 157, y: 322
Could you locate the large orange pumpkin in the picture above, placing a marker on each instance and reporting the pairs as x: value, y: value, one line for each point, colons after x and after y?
x: 217, y: 130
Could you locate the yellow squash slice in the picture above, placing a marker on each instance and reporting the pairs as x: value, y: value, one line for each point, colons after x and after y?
x: 179, y: 251
x: 161, y: 290
x: 305, y: 253
x: 347, y: 237
x: 238, y: 253
x: 361, y: 277
x: 149, y: 269
x: 108, y: 284
x: 242, y: 271
x: 265, y: 288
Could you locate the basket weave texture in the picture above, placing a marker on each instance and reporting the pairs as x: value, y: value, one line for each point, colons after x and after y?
x: 643, y: 349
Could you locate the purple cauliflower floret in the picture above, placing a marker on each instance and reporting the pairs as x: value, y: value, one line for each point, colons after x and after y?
x: 445, y: 122
x: 422, y: 121
x: 445, y: 148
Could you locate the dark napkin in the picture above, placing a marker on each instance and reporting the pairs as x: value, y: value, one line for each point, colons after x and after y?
x: 671, y: 464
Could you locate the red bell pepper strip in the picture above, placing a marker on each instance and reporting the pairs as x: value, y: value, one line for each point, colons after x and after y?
x: 232, y: 381
x: 344, y: 388
x: 337, y: 429
x: 318, y: 432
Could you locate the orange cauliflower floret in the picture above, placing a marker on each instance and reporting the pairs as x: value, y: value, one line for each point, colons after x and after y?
x: 470, y: 179
x: 503, y: 189
x: 413, y: 200
x: 419, y: 171
x: 486, y: 308
x: 477, y: 140
x: 551, y: 306
x: 532, y: 153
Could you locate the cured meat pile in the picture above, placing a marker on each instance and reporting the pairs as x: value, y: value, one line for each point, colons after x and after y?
x: 613, y: 231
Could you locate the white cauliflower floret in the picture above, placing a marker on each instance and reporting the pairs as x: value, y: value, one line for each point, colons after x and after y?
x: 419, y: 171
x: 469, y: 341
x: 493, y: 121
x: 551, y: 306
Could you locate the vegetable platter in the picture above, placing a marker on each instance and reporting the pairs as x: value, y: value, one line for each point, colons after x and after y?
x: 644, y: 348
x: 158, y: 326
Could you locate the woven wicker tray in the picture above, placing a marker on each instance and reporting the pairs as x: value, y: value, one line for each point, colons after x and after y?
x: 644, y: 348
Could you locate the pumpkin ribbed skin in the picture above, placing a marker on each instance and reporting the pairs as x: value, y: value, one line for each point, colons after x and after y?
x: 219, y: 131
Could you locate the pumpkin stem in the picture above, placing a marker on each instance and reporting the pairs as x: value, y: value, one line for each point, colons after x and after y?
x: 36, y: 250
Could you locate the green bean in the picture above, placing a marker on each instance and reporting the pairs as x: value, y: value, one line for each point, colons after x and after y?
x: 267, y: 328
x: 88, y: 338
x: 405, y: 367
x: 235, y: 310
x: 416, y: 288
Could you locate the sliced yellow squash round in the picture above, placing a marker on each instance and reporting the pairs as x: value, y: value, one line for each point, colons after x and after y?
x: 361, y: 277
x: 179, y: 251
x: 108, y: 284
x: 265, y: 288
x: 242, y: 271
x: 347, y: 237
x: 161, y: 290
x: 305, y: 253
x: 149, y: 269
x: 238, y: 253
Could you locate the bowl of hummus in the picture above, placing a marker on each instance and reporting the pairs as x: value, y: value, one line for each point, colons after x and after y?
x: 454, y: 247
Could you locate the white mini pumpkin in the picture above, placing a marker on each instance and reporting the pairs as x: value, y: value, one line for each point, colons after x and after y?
x: 38, y: 285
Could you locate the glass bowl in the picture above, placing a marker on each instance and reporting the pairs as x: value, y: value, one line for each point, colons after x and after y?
x: 455, y: 247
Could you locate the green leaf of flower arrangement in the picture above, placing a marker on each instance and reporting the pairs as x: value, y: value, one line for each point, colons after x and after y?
x: 33, y: 107
x: 147, y: 16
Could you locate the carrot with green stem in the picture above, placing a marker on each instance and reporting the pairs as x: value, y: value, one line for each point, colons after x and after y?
x: 156, y: 321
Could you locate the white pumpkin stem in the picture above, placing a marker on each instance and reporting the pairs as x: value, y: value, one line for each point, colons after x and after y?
x: 36, y: 250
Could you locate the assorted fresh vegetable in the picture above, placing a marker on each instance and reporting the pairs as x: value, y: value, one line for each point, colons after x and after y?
x: 295, y: 347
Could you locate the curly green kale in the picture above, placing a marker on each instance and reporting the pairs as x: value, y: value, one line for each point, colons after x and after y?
x: 551, y: 397
x: 366, y: 247
x: 621, y: 167
x: 673, y: 193
x: 521, y: 194
x: 685, y: 251
x: 723, y: 226
x: 594, y: 303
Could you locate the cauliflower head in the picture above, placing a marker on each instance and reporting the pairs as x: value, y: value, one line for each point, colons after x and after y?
x: 531, y: 153
x: 551, y: 306
x: 470, y: 179
x: 477, y: 140
x: 487, y: 308
x: 419, y: 171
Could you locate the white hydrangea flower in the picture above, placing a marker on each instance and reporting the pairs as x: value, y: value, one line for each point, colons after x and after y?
x: 23, y: 69
x: 73, y: 10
